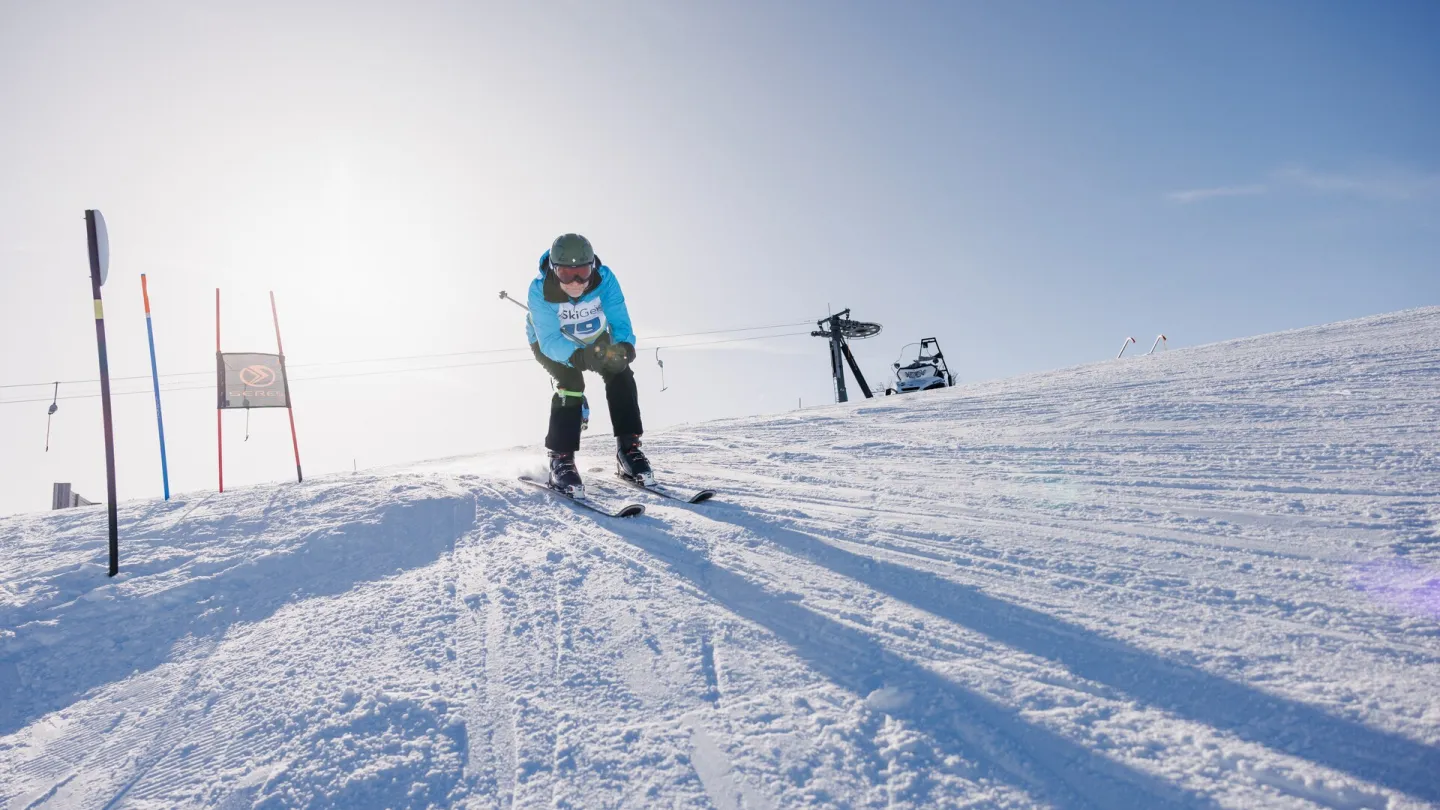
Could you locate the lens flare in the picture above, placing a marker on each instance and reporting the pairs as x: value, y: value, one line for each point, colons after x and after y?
x: 1401, y: 585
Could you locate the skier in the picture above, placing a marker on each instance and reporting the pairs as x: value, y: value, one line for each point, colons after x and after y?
x: 578, y: 322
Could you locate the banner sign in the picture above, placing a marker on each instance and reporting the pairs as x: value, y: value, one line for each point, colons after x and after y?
x: 251, y: 380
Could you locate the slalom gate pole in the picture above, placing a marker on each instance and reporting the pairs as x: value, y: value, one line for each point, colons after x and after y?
x: 1124, y: 346
x: 93, y: 237
x: 219, y: 405
x: 289, y: 407
x: 1158, y: 340
x: 155, y: 377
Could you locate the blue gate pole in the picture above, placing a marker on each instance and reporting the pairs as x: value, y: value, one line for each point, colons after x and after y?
x: 155, y: 375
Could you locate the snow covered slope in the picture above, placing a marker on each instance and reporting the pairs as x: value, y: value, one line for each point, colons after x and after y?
x: 1208, y: 578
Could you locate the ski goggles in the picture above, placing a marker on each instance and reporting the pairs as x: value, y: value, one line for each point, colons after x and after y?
x: 569, y: 274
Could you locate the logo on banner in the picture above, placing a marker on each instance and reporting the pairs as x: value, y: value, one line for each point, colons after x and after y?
x: 253, y: 380
x: 257, y: 376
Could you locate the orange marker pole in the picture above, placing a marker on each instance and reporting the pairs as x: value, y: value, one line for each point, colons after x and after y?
x: 294, y: 442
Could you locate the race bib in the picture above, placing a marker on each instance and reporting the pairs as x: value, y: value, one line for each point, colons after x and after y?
x: 585, y: 320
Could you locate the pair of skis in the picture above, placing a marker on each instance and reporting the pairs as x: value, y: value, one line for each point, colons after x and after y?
x: 625, y: 509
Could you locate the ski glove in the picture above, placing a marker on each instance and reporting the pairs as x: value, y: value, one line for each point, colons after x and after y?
x: 589, y: 358
x: 592, y: 357
x: 603, y: 357
x: 617, y: 357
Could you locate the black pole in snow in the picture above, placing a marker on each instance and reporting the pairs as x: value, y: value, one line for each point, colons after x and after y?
x: 99, y: 259
x: 855, y: 367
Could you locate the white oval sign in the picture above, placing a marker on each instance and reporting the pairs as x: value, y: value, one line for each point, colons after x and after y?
x: 102, y: 245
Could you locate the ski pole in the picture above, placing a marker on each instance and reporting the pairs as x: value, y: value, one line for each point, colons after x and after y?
x: 506, y: 297
x: 577, y: 341
x: 573, y: 339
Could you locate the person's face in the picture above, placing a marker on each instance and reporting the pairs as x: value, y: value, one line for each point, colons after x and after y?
x: 573, y: 279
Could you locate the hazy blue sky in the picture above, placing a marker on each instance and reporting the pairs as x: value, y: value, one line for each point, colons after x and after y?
x: 1030, y: 182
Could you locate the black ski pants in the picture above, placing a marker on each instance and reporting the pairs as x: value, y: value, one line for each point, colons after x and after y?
x: 620, y: 395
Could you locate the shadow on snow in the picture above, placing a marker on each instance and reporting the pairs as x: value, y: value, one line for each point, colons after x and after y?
x: 1279, y: 723
x: 54, y: 662
x: 1004, y: 746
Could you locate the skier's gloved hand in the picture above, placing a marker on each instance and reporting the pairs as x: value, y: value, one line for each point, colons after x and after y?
x: 618, y: 357
x: 612, y: 359
x: 594, y: 357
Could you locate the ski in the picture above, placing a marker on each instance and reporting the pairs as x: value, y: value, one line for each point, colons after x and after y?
x: 628, y: 510
x: 665, y: 492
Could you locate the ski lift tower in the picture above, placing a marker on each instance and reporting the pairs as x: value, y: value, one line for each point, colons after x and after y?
x: 838, y: 328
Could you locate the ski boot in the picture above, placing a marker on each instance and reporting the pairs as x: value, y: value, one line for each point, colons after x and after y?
x: 564, y: 477
x: 632, y: 462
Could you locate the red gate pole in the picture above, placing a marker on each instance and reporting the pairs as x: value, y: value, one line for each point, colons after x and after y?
x: 295, y: 442
x: 220, y: 370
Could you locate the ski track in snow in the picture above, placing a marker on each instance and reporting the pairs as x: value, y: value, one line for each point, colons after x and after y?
x: 1208, y: 578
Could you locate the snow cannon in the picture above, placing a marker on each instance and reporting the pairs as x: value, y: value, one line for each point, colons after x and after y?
x: 924, y: 371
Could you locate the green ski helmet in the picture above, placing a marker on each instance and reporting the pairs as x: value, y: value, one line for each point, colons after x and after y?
x: 571, y: 250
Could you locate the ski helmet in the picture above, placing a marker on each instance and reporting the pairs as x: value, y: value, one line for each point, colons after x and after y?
x: 571, y: 250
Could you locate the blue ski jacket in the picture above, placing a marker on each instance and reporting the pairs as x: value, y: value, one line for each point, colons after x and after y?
x: 553, y: 314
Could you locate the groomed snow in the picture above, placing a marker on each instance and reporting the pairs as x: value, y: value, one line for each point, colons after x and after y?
x: 1205, y: 578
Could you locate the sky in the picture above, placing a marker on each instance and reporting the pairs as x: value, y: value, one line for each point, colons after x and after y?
x: 1031, y: 183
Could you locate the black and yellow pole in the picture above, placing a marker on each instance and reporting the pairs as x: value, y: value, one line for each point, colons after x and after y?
x: 100, y: 267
